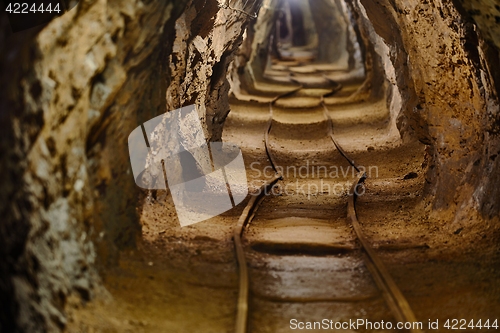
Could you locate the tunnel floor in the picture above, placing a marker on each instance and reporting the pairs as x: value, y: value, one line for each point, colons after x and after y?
x: 304, y: 259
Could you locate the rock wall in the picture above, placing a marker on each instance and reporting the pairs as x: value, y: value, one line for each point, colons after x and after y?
x: 486, y: 15
x: 71, y: 93
x: 333, y: 32
x: 206, y: 39
x: 77, y: 87
x: 447, y: 82
x: 382, y: 77
x: 252, y: 57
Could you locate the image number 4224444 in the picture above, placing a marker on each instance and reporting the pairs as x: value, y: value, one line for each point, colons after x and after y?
x: 24, y: 15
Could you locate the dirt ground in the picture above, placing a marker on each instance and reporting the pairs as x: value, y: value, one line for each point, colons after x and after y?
x: 305, y: 262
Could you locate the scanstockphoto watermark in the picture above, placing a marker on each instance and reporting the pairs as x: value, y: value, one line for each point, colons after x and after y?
x: 357, y: 324
x: 310, y: 179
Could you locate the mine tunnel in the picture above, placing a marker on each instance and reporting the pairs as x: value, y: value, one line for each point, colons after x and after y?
x: 259, y: 166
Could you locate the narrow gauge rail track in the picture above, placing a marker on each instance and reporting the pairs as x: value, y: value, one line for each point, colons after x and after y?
x: 393, y: 296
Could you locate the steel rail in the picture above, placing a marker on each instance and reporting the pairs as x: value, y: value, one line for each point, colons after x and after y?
x: 393, y: 296
x: 245, y: 218
x: 330, y: 134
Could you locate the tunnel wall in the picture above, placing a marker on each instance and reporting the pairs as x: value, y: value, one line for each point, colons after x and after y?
x: 332, y: 29
x: 71, y: 93
x: 446, y: 75
x: 253, y: 55
x: 77, y: 87
x: 206, y: 39
x: 381, y: 78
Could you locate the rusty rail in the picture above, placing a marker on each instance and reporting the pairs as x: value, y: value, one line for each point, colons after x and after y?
x: 393, y: 296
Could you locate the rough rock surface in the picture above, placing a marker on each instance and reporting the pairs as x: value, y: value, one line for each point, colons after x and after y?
x: 206, y: 39
x: 447, y: 83
x: 253, y: 55
x: 78, y: 82
x: 332, y: 29
x: 72, y: 91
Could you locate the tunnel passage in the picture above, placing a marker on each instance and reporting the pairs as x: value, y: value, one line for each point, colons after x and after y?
x: 338, y: 50
x: 89, y: 77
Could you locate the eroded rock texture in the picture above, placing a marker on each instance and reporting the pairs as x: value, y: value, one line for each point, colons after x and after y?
x: 206, y: 38
x: 332, y: 29
x: 72, y: 91
x: 252, y: 57
x: 447, y: 83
